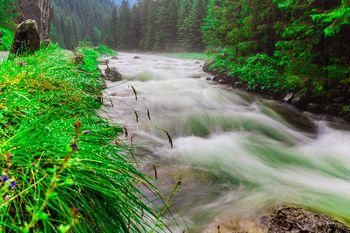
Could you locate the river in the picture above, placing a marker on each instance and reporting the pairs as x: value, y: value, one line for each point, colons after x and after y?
x: 235, y: 154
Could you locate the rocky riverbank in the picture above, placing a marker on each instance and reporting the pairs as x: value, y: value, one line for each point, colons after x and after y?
x: 281, y: 220
x: 334, y: 103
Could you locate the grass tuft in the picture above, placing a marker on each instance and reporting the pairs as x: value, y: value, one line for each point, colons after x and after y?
x: 60, y: 170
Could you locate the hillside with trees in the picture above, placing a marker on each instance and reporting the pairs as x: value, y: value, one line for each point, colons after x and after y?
x: 165, y: 25
x: 75, y: 21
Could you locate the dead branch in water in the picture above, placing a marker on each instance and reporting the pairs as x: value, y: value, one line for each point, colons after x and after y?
x: 169, y: 138
x: 149, y: 114
x: 137, y: 116
x: 135, y: 93
x: 155, y: 172
x: 126, y: 133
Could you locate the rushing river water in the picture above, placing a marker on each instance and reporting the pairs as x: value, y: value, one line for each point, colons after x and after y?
x: 236, y: 154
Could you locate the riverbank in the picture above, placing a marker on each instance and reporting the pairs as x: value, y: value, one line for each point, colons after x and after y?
x: 62, y: 168
x: 335, y: 103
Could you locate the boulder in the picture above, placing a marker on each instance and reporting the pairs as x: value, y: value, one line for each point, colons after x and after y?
x: 297, y: 220
x: 299, y: 97
x: 27, y: 38
x: 78, y: 58
x: 206, y: 67
x: 312, y: 107
x: 112, y: 74
x: 39, y: 10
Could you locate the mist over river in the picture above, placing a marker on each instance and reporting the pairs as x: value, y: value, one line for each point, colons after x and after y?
x: 236, y: 155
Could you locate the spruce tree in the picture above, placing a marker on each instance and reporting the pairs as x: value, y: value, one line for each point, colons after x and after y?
x: 113, y: 29
x: 124, y: 25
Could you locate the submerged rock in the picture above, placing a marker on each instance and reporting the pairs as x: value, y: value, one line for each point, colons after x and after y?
x: 297, y: 220
x: 27, y: 38
x: 137, y: 57
x: 299, y: 97
x: 112, y: 74
x: 293, y: 117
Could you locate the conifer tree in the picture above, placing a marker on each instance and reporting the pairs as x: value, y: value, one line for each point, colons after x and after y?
x: 113, y: 29
x: 124, y: 25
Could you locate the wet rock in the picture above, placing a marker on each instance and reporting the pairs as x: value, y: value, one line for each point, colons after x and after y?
x: 299, y: 97
x: 206, y: 66
x: 293, y: 116
x: 340, y: 100
x: 208, y: 78
x: 114, y: 58
x: 27, y: 38
x: 297, y: 220
x: 312, y: 107
x: 216, y: 78
x: 196, y: 76
x: 78, y: 58
x: 288, y: 97
x: 333, y: 109
x: 137, y: 57
x: 112, y: 74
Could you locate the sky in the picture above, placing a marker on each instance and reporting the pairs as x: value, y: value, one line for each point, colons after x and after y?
x: 120, y: 1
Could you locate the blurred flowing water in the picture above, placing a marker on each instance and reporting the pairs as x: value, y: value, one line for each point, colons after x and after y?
x: 236, y: 154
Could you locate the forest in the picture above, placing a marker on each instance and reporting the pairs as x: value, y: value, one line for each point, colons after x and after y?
x: 274, y: 47
x: 146, y: 25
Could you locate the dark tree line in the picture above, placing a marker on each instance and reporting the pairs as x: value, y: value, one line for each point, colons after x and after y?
x: 158, y: 25
x: 80, y: 20
x: 164, y: 25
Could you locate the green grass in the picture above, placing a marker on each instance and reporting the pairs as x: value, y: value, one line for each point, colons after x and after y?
x: 193, y: 56
x: 69, y: 172
x: 6, y: 39
x: 103, y: 49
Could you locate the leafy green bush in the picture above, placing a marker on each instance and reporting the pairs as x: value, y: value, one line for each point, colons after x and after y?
x: 260, y: 72
x: 60, y: 169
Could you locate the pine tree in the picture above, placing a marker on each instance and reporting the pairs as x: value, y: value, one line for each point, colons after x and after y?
x: 113, y: 29
x: 124, y: 25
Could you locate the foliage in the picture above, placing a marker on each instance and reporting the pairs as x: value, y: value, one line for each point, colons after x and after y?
x: 281, y: 45
x: 60, y: 169
x: 7, y: 12
x: 7, y: 39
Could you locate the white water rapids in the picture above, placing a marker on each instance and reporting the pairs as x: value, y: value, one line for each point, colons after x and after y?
x: 236, y: 154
